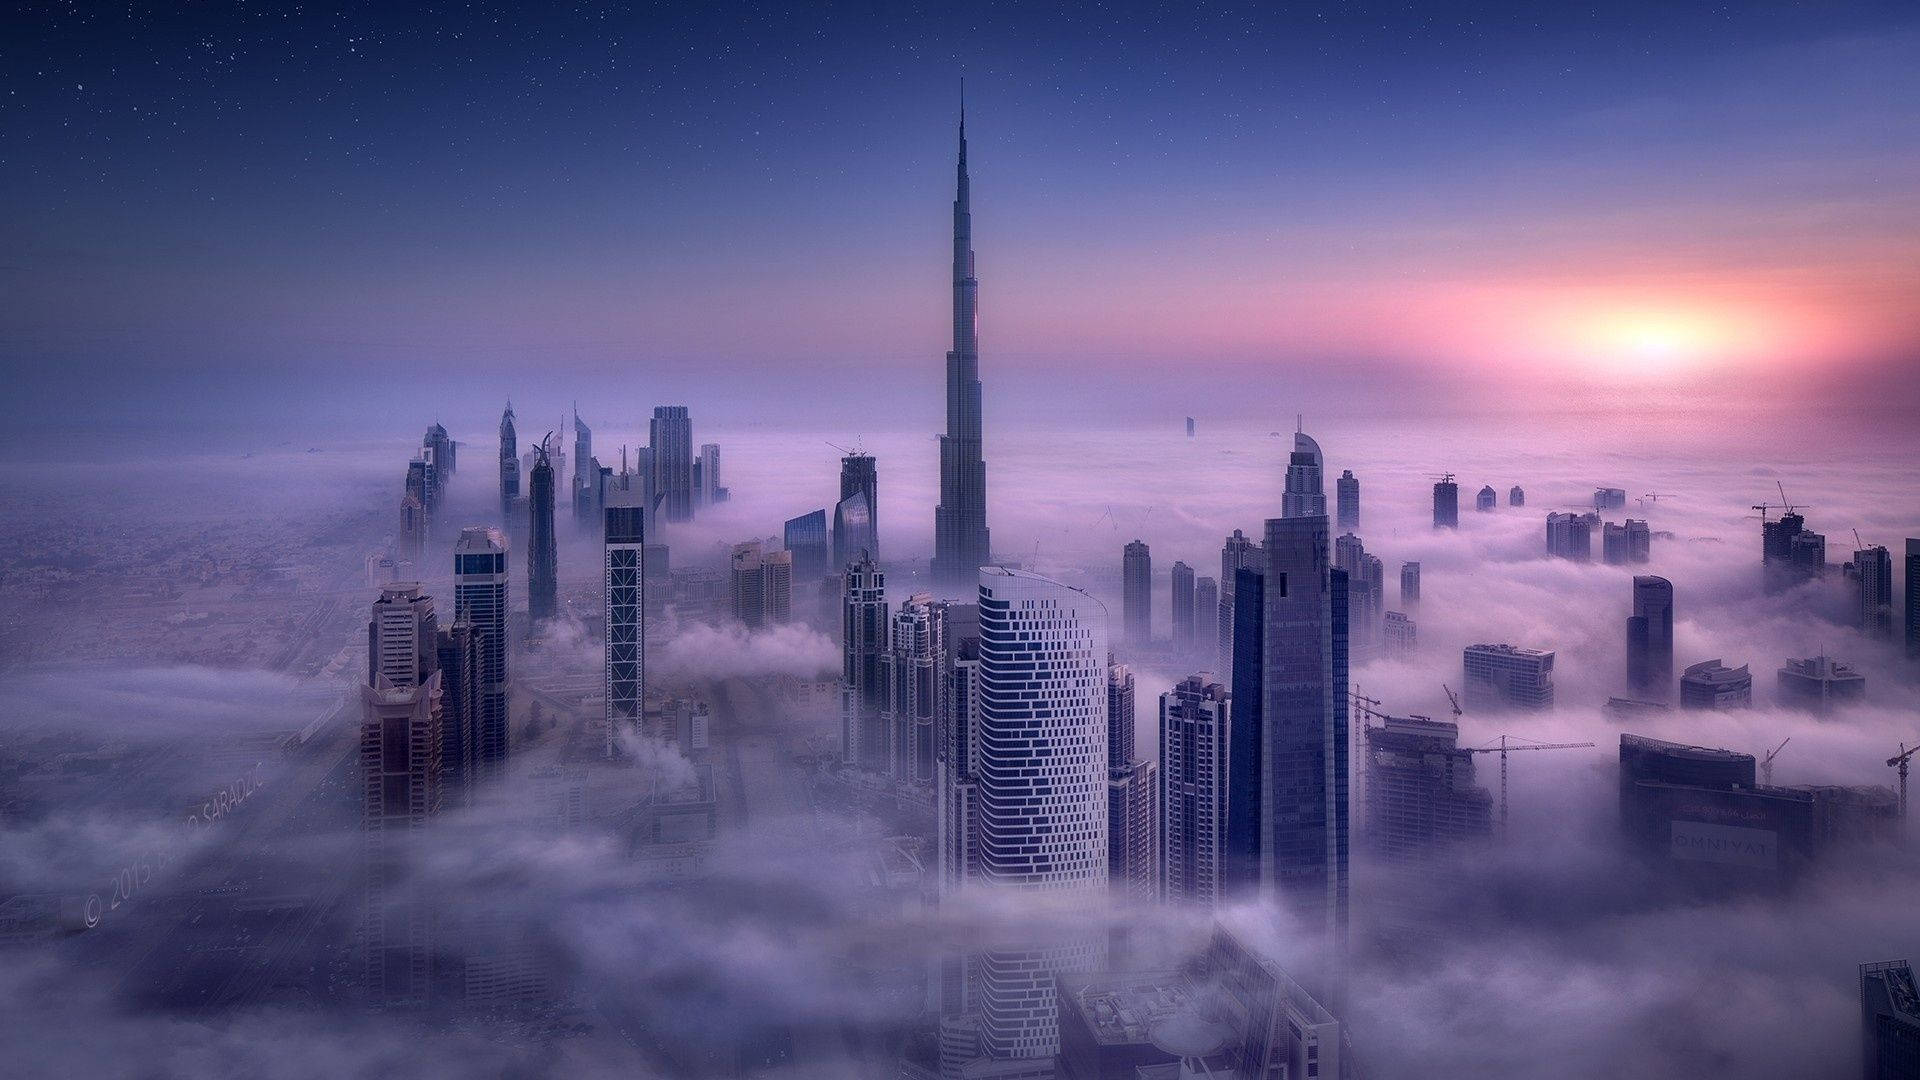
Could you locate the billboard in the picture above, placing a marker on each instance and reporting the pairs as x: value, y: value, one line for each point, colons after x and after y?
x: 1731, y: 845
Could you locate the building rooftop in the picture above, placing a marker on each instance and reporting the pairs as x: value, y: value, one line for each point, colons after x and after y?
x: 1702, y: 753
x: 1512, y: 650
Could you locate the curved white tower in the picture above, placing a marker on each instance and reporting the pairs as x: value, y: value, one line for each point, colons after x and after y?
x: 1043, y: 784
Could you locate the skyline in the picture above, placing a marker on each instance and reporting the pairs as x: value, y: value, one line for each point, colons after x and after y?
x: 1603, y: 203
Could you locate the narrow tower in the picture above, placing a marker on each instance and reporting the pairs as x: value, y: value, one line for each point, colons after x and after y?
x: 509, y: 462
x: 960, y: 545
x: 542, y: 552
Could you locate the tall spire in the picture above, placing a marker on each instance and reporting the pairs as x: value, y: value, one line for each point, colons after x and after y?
x: 961, y: 543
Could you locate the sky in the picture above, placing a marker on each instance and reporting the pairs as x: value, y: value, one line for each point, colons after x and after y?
x: 238, y: 208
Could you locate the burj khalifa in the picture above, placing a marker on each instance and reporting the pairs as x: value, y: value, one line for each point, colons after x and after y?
x: 960, y: 544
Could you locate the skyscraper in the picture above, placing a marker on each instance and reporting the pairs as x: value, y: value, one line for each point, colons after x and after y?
x: 1206, y: 609
x: 1347, y: 501
x: 400, y: 782
x: 480, y: 598
x: 543, y: 582
x: 1194, y: 719
x: 760, y: 585
x: 586, y: 470
x: 460, y: 654
x: 1043, y: 771
x: 1136, y: 592
x: 960, y: 537
x: 1304, y: 496
x: 1365, y: 582
x: 509, y: 464
x: 1239, y: 551
x: 1182, y: 597
x: 1303, y: 840
x: 710, y: 490
x: 1570, y: 536
x: 806, y: 540
x: 1873, y: 571
x: 1790, y: 553
x: 1446, y: 503
x: 1820, y: 683
x: 856, y: 517
x: 670, y: 437
x: 623, y: 589
x: 863, y: 668
x: 1246, y: 741
x: 1913, y: 599
x: 1486, y: 500
x: 1507, y: 677
x: 1889, y: 1021
x: 1711, y: 684
x: 1409, y: 585
x: 1422, y: 805
x: 1650, y: 638
x: 1516, y: 496
x: 443, y: 449
x: 916, y: 687
x: 1133, y: 859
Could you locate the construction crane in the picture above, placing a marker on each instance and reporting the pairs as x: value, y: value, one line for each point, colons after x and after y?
x: 1899, y: 761
x: 1452, y: 699
x: 1502, y: 749
x: 1766, y: 763
x: 1653, y: 497
x: 1782, y: 505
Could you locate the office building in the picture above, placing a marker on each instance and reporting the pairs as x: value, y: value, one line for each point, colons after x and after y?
x: 1507, y: 677
x: 1227, y: 1012
x: 1570, y: 536
x: 708, y: 490
x: 1913, y: 599
x: 1409, y: 585
x: 961, y: 543
x: 1136, y: 597
x: 400, y: 772
x: 460, y: 654
x: 1873, y: 578
x: 1194, y: 719
x: 543, y: 582
x: 586, y: 473
x: 915, y: 670
x: 1043, y: 772
x: 1516, y: 496
x: 1889, y: 1021
x: 1423, y: 806
x: 1206, y: 609
x: 1446, y: 503
x: 1711, y: 684
x: 1609, y: 498
x: 1486, y: 500
x: 670, y: 446
x: 1790, y: 553
x: 805, y: 538
x: 760, y: 585
x: 1820, y: 684
x: 1399, y: 633
x: 856, y: 517
x: 1246, y: 739
x: 1304, y: 812
x: 624, y: 587
x: 411, y: 543
x: 1182, y: 597
x: 1346, y: 492
x: 1133, y: 795
x: 480, y: 599
x: 443, y: 448
x: 1621, y: 544
x: 1365, y: 581
x: 509, y: 464
x: 1304, y: 496
x: 1650, y: 638
x: 1239, y: 551
x: 957, y: 769
x: 863, y: 668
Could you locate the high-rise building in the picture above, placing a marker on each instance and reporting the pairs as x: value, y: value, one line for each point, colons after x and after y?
x: 1570, y: 536
x: 509, y: 464
x: 1873, y: 577
x: 670, y: 437
x: 709, y: 490
x: 412, y: 542
x: 760, y: 585
x: 1182, y: 598
x: 1507, y: 677
x: 1136, y: 592
x: 1711, y: 684
x: 806, y: 540
x: 1365, y: 582
x: 1206, y: 607
x: 1889, y: 1021
x: 1621, y: 544
x: 460, y: 654
x: 1239, y: 551
x: 1422, y: 807
x: 1609, y: 498
x: 1790, y: 553
x: 1194, y: 718
x: 957, y: 791
x: 1820, y: 683
x: 1446, y: 503
x: 1133, y: 851
x: 1347, y: 501
x: 1399, y: 633
x: 443, y: 449
x: 1409, y: 585
x: 543, y: 582
x: 1305, y: 743
x: 586, y: 472
x: 1650, y: 638
x: 1246, y: 740
x: 1913, y: 598
x: 960, y: 536
x: 856, y: 517
x: 1516, y: 496
x: 1304, y: 495
x: 1043, y: 771
x: 400, y: 742
x: 915, y: 669
x: 863, y: 668
x: 1486, y: 500
x: 624, y: 594
x: 480, y: 599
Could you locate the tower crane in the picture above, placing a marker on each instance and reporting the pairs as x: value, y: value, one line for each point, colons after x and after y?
x: 1502, y: 748
x: 1783, y: 504
x: 1452, y: 699
x: 1654, y: 497
x: 1766, y: 763
x: 1899, y: 761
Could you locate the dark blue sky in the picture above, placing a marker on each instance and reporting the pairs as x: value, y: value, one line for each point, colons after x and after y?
x: 242, y: 203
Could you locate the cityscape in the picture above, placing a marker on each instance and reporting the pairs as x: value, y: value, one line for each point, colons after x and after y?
x: 420, y: 660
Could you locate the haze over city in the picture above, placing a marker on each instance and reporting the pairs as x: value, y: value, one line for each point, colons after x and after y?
x: 1001, y: 541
